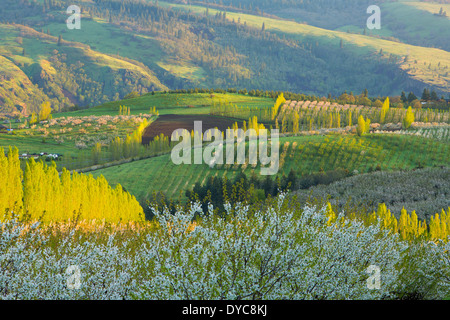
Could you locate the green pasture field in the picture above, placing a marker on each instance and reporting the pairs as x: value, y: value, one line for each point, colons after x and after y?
x: 310, y: 154
x: 173, y: 103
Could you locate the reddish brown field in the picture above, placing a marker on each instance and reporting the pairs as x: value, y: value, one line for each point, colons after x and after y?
x: 166, y: 124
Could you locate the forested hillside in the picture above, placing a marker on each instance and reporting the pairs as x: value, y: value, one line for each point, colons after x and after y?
x: 398, y: 17
x: 126, y: 46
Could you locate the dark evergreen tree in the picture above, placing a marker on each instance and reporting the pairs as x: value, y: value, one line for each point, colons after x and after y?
x: 426, y: 94
x: 411, y: 97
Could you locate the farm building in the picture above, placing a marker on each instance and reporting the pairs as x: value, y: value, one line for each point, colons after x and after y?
x: 3, y: 129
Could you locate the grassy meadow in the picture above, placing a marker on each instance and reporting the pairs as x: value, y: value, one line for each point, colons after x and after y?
x: 303, y: 154
x: 430, y: 7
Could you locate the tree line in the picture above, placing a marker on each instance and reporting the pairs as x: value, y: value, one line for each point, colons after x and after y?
x: 40, y: 193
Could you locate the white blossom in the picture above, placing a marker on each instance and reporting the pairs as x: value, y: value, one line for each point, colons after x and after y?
x: 275, y: 253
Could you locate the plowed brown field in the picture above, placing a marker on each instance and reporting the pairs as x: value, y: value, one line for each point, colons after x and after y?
x: 167, y: 124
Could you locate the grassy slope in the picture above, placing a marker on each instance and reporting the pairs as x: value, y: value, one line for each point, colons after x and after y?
x: 391, y: 152
x: 15, y: 85
x: 416, y: 23
x: 110, y: 39
x: 364, y: 44
x: 16, y: 88
x: 430, y: 7
x: 173, y: 104
x: 36, y: 144
x: 39, y: 47
x: 411, y: 22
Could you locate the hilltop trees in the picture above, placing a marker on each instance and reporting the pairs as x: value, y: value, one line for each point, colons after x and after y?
x: 429, y: 96
x: 426, y: 94
x: 411, y: 97
x: 403, y: 97
x: 434, y: 96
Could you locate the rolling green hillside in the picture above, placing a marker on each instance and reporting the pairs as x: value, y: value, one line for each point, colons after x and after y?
x: 413, y: 22
x: 172, y: 103
x: 144, y: 46
x: 416, y: 23
x: 67, y: 74
x: 17, y: 92
x: 74, y: 133
x: 431, y: 7
x: 428, y: 65
x: 304, y: 154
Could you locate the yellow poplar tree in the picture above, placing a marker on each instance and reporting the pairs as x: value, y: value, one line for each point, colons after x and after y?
x: 51, y: 197
x: 295, y: 127
x: 11, y: 192
x: 361, y: 128
x: 384, y: 110
x: 33, y: 119
x: 280, y: 100
x: 409, y: 118
x: 45, y: 111
x: 284, y: 124
x: 330, y: 120
x: 367, y: 126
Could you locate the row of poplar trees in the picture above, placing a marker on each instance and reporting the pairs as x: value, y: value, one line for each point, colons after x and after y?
x: 42, y: 193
